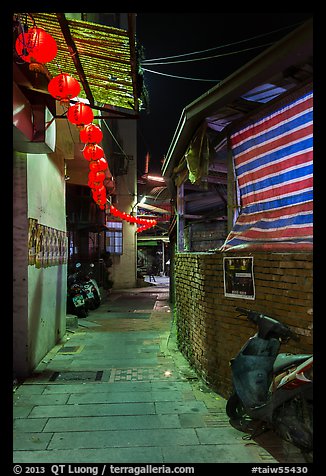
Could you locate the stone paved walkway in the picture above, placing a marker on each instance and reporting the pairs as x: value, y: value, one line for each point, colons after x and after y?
x: 117, y: 390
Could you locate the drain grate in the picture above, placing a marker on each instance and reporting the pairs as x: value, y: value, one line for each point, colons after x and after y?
x: 68, y: 376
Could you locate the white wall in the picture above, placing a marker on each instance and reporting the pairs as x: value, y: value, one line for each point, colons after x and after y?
x: 39, y: 312
x: 123, y: 271
x: 46, y: 286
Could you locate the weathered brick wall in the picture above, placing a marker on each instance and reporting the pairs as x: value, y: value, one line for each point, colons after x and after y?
x: 210, y: 332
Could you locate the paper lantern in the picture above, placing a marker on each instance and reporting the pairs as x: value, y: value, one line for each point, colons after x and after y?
x: 99, y: 195
x: 96, y: 178
x: 80, y: 114
x: 36, y: 46
x: 97, y: 165
x: 64, y: 87
x: 91, y: 134
x: 93, y: 152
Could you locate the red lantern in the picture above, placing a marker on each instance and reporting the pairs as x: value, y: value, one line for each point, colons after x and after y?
x: 97, y: 165
x: 96, y: 178
x: 93, y: 152
x: 36, y: 46
x: 99, y: 195
x: 80, y: 114
x: 64, y: 87
x: 91, y: 134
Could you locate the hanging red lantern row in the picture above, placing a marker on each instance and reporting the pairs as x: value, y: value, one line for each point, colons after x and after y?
x: 145, y: 223
x: 91, y: 135
x: 36, y: 46
x: 64, y: 87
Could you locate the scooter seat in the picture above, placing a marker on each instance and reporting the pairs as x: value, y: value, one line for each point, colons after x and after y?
x: 283, y: 361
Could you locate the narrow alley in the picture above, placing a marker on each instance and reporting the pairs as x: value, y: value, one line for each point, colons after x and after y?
x: 118, y: 390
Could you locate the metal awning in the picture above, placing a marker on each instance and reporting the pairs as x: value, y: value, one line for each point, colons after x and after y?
x: 101, y: 57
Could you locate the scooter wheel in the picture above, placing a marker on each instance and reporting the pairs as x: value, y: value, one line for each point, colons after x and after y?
x: 234, y: 408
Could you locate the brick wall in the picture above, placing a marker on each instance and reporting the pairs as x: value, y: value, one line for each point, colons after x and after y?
x: 209, y: 330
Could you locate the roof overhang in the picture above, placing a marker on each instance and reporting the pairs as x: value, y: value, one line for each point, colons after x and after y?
x: 292, y: 50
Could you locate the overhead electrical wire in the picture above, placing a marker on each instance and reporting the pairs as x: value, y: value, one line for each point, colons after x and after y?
x: 208, y: 57
x: 161, y: 61
x: 220, y: 46
x: 196, y: 59
x: 180, y: 77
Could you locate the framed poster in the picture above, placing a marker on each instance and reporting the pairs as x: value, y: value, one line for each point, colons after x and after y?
x: 239, y: 277
x: 32, y: 234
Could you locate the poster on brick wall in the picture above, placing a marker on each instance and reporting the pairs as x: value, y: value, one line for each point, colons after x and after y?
x: 238, y: 275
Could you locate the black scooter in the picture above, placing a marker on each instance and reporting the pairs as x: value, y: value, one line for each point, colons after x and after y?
x: 274, y: 389
x: 85, y: 277
x: 76, y: 303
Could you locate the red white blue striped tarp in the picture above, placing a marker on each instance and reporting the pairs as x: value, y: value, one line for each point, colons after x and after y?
x: 273, y: 160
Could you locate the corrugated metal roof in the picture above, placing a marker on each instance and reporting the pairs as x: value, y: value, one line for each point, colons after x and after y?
x: 105, y: 56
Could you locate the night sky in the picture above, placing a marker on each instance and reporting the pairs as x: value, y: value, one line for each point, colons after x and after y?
x: 169, y: 34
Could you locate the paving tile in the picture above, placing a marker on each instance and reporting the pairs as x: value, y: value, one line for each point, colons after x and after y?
x: 117, y: 362
x: 124, y: 422
x: 109, y: 397
x: 95, y: 387
x: 29, y: 390
x: 191, y: 420
x: 208, y: 454
x: 89, y: 456
x: 35, y: 399
x: 93, y: 410
x: 215, y: 436
x: 123, y: 397
x: 22, y: 411
x: 124, y: 438
x: 181, y: 407
x: 31, y: 441
x: 29, y: 424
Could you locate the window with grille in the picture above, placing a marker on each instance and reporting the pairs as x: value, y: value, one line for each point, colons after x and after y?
x: 113, y: 237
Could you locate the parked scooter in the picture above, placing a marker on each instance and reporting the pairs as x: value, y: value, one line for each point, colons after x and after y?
x: 90, y: 287
x: 274, y: 389
x: 76, y: 303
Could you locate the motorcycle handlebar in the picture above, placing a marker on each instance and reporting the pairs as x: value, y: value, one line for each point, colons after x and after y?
x: 283, y: 330
x: 252, y: 315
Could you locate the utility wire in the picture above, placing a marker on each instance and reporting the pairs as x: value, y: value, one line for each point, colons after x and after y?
x: 196, y: 59
x: 221, y: 46
x: 208, y: 57
x: 181, y: 77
